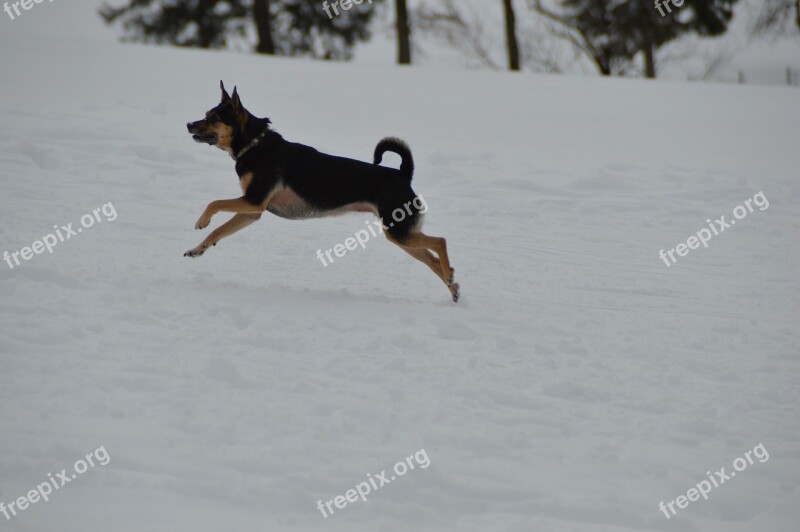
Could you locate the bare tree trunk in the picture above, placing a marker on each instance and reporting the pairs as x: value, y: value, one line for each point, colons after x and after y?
x: 511, y: 36
x: 403, y: 33
x: 649, y: 60
x: 263, y: 19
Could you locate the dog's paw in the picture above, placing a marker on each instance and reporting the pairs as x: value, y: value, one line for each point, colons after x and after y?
x: 455, y: 290
x: 196, y: 252
x: 203, y: 221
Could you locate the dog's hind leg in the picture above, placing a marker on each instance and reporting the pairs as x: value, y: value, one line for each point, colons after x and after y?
x: 419, y: 246
x: 427, y: 258
x: 237, y: 223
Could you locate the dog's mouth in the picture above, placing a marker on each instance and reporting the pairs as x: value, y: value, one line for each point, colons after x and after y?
x: 206, y: 138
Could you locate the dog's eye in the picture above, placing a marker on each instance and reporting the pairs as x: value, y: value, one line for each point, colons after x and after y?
x: 213, y: 119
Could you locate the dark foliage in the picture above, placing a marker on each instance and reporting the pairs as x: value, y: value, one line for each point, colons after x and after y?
x: 283, y: 27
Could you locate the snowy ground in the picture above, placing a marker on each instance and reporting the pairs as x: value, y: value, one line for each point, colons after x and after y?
x: 579, y: 382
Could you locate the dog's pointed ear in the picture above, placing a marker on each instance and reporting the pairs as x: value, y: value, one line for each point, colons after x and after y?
x: 237, y: 103
x: 225, y: 95
x: 238, y: 111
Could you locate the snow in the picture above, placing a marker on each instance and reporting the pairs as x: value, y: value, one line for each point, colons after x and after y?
x: 578, y: 383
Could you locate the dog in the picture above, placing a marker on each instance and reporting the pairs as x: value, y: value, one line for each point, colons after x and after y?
x: 298, y: 182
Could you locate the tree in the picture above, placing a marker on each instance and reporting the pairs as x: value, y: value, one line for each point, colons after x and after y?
x: 284, y: 27
x: 461, y: 28
x: 776, y: 15
x: 303, y: 27
x: 511, y: 35
x: 190, y: 23
x: 613, y: 32
x: 403, y: 33
x: 262, y: 15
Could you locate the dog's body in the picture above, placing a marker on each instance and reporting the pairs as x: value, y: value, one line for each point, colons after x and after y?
x: 295, y: 181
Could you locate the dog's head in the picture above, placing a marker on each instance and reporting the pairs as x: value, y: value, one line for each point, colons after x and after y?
x: 223, y: 123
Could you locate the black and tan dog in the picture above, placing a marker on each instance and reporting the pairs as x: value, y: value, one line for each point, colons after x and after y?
x: 296, y: 181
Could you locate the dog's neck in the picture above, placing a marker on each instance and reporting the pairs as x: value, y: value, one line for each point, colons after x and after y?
x: 252, y: 144
x: 253, y: 134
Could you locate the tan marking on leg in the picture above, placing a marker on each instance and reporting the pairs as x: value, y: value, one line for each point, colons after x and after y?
x: 232, y: 205
x: 427, y: 258
x: 418, y: 245
x: 436, y: 244
x: 237, y: 223
x: 245, y: 180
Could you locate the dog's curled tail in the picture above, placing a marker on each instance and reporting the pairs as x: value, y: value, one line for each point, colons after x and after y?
x: 395, y: 145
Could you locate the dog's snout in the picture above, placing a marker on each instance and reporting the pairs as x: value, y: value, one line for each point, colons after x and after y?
x: 189, y: 126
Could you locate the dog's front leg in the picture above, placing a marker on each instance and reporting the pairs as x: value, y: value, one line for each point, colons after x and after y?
x: 238, y: 205
x: 237, y: 223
